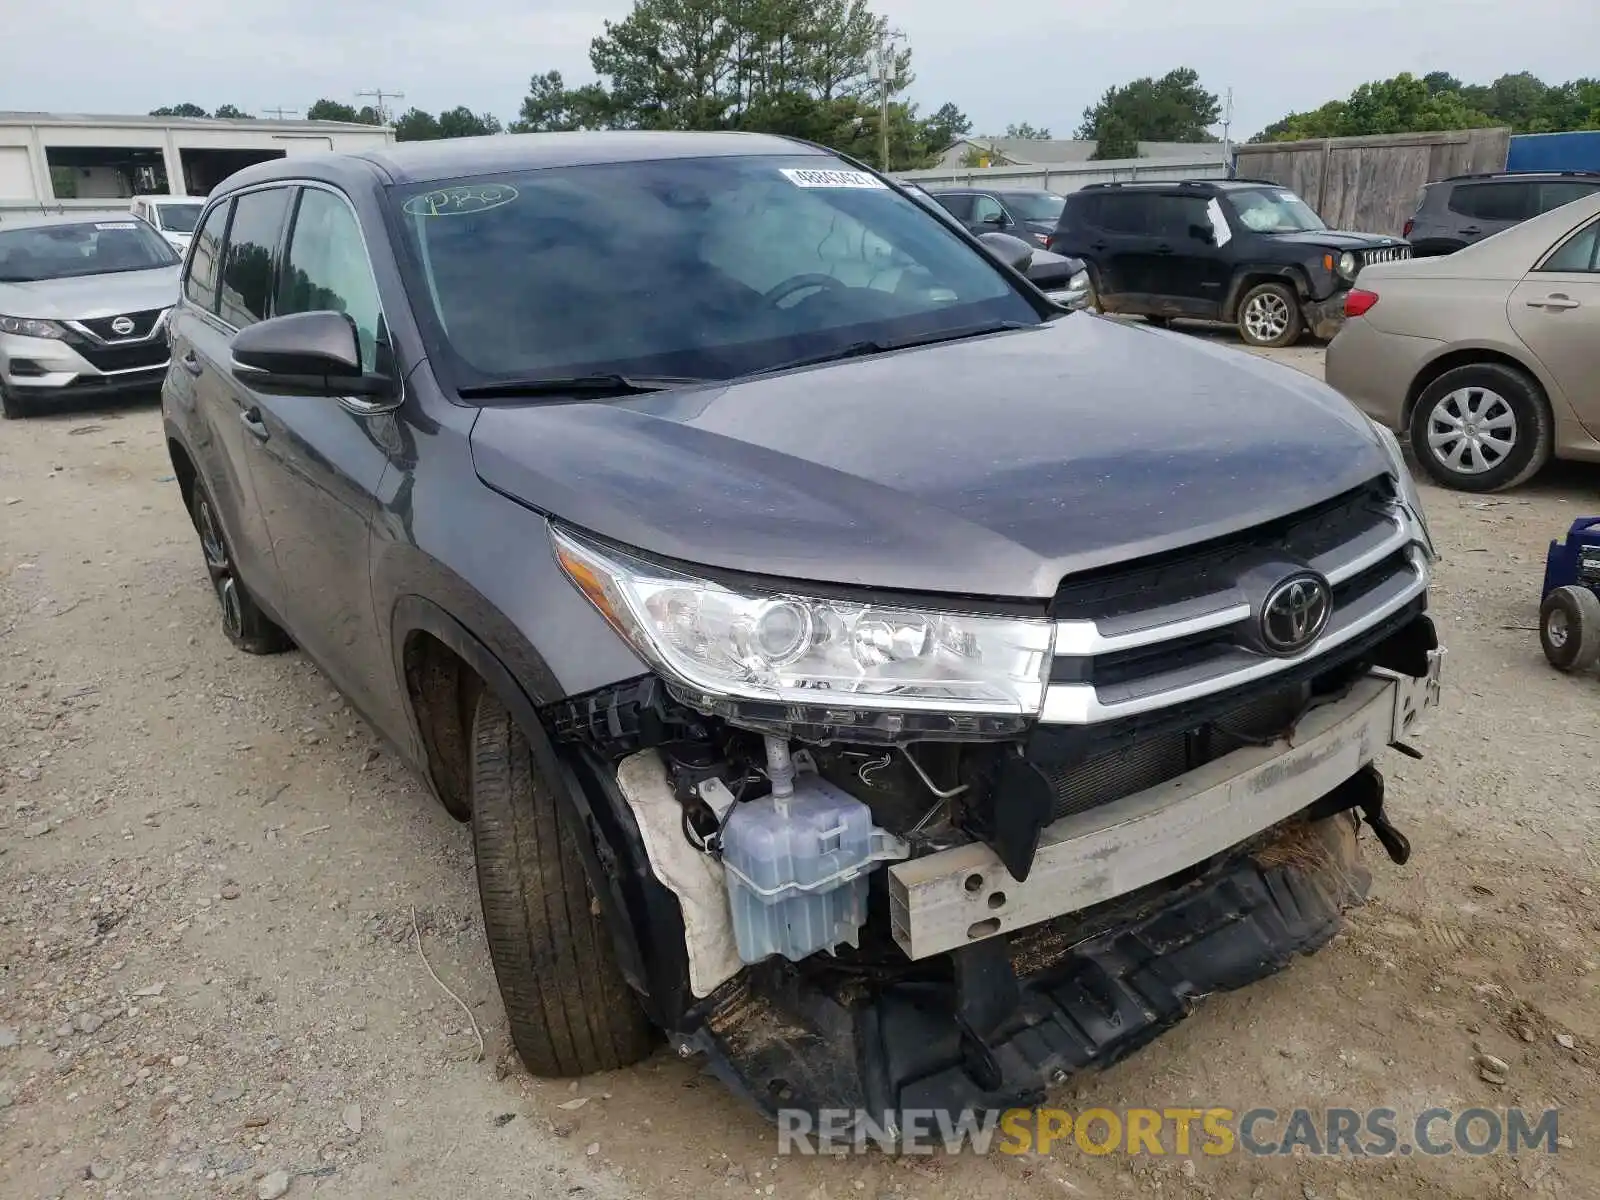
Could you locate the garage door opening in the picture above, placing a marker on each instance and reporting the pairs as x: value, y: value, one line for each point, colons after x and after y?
x: 204, y: 169
x: 105, y: 172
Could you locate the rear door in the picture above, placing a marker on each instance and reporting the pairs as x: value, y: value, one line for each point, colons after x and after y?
x: 199, y: 395
x: 1125, y: 245
x: 1556, y: 311
x: 1484, y: 209
x: 319, y: 462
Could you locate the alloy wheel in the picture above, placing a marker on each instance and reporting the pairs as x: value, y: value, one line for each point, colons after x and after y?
x: 1471, y: 430
x: 1266, y: 317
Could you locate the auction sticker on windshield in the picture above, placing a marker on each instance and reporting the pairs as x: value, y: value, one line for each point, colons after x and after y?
x: 808, y: 177
x: 116, y: 224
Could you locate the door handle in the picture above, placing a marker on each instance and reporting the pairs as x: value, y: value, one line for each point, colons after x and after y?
x: 1556, y: 301
x: 190, y: 363
x: 251, y: 418
x: 1097, y: 245
x: 1163, y: 249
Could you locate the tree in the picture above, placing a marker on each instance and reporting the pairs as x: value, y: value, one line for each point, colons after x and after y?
x: 229, y: 112
x: 416, y: 126
x: 945, y: 127
x: 548, y: 107
x: 1027, y: 131
x: 333, y: 110
x: 1174, y: 108
x: 1441, y: 81
x: 463, y: 122
x: 180, y: 110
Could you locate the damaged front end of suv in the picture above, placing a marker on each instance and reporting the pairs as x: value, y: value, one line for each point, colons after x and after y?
x: 884, y: 852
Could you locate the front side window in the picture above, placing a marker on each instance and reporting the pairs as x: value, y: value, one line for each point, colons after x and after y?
x: 1578, y: 253
x: 1044, y: 207
x: 986, y: 210
x: 1273, y: 210
x: 201, y: 285
x: 177, y: 218
x: 247, y: 264
x: 326, y: 268
x: 707, y: 268
x: 81, y: 248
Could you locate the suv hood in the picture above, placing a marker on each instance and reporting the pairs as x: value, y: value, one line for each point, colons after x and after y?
x: 989, y: 467
x: 1336, y: 239
x: 83, y: 297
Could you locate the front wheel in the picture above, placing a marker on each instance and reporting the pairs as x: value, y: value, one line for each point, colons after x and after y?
x: 11, y: 406
x: 1482, y: 428
x: 1269, y: 315
x: 570, y: 1010
x: 1569, y: 628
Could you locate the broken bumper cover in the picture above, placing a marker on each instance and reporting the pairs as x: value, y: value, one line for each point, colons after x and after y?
x: 1324, y: 318
x: 784, y: 1044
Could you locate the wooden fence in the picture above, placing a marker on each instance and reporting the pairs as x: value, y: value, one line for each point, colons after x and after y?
x: 1370, y: 184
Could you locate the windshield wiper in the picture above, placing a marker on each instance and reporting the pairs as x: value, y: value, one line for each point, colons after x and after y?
x: 600, y: 386
x: 867, y: 348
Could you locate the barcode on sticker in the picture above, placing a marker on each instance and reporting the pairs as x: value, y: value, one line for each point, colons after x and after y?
x: 116, y: 225
x: 808, y: 177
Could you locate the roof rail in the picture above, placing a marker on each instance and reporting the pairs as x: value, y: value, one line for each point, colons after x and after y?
x: 1152, y: 183
x: 1519, y: 175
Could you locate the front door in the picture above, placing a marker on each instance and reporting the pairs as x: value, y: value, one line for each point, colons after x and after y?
x: 1556, y: 311
x: 1191, y: 269
x: 319, y: 462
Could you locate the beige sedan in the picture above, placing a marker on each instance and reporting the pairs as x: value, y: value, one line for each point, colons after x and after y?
x: 1487, y: 359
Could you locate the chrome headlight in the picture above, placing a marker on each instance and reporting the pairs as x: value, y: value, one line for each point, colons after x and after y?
x: 1405, y: 485
x: 1347, y: 265
x: 30, y: 327
x: 1077, y: 288
x: 787, y: 648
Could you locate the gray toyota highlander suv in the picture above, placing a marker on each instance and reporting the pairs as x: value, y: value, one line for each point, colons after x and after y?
x: 895, y: 689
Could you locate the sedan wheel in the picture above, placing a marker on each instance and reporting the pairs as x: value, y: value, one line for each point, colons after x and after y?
x: 1481, y: 428
x: 1472, y: 430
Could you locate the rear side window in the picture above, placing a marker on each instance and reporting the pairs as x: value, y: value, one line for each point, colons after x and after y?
x: 248, y: 262
x: 1498, y: 201
x: 200, y: 286
x: 1555, y: 193
x: 1129, y: 214
x: 1580, y: 252
x: 957, y: 206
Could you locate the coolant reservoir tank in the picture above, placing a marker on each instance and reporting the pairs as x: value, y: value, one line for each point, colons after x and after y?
x: 797, y: 869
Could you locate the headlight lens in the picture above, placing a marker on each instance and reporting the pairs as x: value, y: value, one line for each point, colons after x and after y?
x: 29, y: 327
x: 1076, y: 289
x: 795, y: 649
x: 1347, y: 265
x: 1404, y: 484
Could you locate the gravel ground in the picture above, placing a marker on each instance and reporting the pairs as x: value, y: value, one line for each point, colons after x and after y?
x: 212, y: 878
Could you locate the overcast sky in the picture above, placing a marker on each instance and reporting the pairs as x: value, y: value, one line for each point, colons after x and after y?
x: 1040, y: 61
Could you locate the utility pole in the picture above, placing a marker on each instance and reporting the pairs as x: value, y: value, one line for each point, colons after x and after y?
x: 377, y: 95
x: 280, y: 112
x: 886, y: 40
x: 1227, y: 126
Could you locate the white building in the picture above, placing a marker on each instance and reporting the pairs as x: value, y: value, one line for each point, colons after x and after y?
x: 65, y: 162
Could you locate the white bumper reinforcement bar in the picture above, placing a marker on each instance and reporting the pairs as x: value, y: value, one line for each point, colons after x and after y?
x: 951, y: 899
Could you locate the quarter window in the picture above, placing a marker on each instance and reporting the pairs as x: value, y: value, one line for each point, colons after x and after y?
x: 200, y: 286
x: 1580, y: 252
x: 247, y: 264
x: 327, y: 269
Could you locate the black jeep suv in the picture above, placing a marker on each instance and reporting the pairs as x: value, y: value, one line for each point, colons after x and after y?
x: 1245, y: 252
x: 887, y: 684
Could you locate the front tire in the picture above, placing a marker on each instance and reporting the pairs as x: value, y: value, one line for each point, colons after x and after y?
x: 247, y: 626
x: 12, y: 408
x: 1269, y: 316
x: 570, y: 1010
x: 1569, y: 628
x: 1482, y: 428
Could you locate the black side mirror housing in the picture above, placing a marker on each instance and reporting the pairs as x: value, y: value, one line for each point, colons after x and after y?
x: 1012, y: 251
x: 305, y: 354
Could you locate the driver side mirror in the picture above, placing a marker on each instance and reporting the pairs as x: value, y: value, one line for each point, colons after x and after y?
x: 1014, y: 252
x: 305, y: 354
x: 998, y: 220
x: 1201, y: 233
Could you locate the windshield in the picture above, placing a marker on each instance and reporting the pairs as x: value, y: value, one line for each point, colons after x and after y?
x: 89, y: 248
x: 178, y: 218
x: 704, y: 268
x: 1274, y: 211
x: 1034, y: 206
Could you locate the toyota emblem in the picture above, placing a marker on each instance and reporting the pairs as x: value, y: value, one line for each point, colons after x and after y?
x: 1295, y: 613
x: 122, y: 326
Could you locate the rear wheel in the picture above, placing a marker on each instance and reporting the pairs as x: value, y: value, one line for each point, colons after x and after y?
x: 247, y: 627
x: 1482, y: 428
x: 1269, y: 315
x: 570, y: 1010
x: 1569, y: 628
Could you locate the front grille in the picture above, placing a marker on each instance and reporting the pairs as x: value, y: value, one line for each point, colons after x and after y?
x: 1384, y: 254
x: 124, y: 358
x: 1162, y: 632
x: 143, y: 323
